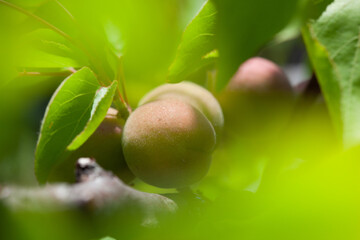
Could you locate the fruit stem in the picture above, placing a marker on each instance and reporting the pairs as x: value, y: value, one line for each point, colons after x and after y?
x: 121, y: 79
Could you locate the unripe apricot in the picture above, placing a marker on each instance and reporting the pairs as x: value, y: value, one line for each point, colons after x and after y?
x: 258, y: 85
x: 193, y: 94
x: 259, y: 75
x: 168, y: 143
x: 103, y: 145
x: 257, y: 102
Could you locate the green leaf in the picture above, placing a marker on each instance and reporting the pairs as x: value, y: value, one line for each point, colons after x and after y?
x: 244, y: 27
x: 326, y: 73
x: 197, y: 41
x: 44, y: 48
x: 334, y: 48
x: 66, y: 116
x: 102, y: 103
x: 107, y: 238
x: 57, y: 14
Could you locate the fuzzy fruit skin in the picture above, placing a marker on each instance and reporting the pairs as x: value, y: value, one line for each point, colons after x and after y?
x: 257, y: 103
x: 193, y: 94
x: 259, y: 75
x: 103, y: 145
x: 168, y: 143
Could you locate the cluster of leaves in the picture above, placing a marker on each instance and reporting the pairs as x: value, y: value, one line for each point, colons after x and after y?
x: 58, y: 39
x: 61, y: 41
x: 303, y: 191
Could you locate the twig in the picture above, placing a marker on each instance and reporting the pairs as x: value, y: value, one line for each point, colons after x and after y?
x: 66, y: 10
x: 96, y: 189
x: 61, y: 73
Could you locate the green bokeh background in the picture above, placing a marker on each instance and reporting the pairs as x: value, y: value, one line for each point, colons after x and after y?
x: 278, y: 172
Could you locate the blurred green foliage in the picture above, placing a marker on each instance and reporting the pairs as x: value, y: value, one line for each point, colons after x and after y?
x: 279, y: 172
x: 244, y: 27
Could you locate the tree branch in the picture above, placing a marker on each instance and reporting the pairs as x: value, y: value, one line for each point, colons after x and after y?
x: 96, y: 189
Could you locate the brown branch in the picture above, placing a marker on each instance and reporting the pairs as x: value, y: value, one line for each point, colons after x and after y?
x: 96, y: 189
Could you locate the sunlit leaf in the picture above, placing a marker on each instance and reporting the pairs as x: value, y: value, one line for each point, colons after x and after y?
x: 67, y: 114
x: 102, y: 102
x: 198, y: 40
x: 333, y: 45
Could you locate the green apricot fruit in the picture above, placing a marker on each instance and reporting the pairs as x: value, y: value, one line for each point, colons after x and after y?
x: 193, y: 94
x: 105, y: 146
x: 257, y: 102
x: 168, y: 143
